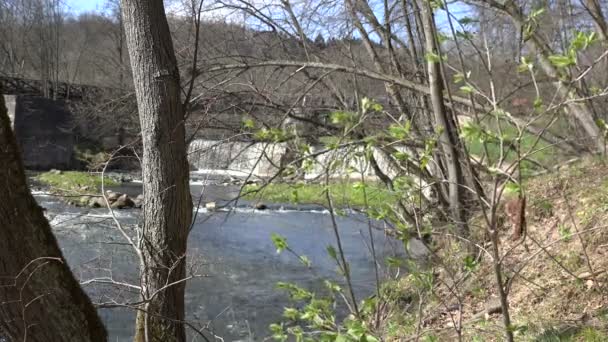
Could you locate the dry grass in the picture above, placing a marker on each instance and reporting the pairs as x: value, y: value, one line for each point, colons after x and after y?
x: 558, y: 291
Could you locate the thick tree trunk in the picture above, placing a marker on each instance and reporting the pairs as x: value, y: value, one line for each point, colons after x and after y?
x: 448, y: 139
x: 167, y: 212
x: 40, y: 300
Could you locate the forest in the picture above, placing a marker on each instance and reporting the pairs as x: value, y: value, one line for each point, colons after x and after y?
x: 304, y: 170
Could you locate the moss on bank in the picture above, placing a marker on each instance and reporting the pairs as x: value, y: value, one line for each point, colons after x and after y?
x: 344, y: 194
x: 74, y: 182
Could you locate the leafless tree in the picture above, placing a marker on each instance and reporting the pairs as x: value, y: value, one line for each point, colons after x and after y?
x: 168, y: 211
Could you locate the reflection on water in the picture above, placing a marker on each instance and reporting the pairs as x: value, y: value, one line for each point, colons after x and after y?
x: 233, y: 253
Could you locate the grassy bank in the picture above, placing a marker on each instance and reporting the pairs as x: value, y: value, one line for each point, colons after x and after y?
x: 74, y: 182
x: 541, y: 151
x: 557, y: 277
x: 344, y: 194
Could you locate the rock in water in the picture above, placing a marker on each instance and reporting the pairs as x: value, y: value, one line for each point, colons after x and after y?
x: 210, y: 206
x: 84, y: 201
x: 97, y: 202
x: 113, y: 196
x: 123, y: 202
x: 260, y: 206
x: 139, y: 201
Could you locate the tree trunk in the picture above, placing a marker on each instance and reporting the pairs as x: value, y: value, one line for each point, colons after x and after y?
x: 167, y: 212
x: 595, y: 10
x: 40, y: 300
x: 448, y: 139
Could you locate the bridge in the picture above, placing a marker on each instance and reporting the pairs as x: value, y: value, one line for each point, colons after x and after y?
x: 43, y: 123
x: 53, y: 90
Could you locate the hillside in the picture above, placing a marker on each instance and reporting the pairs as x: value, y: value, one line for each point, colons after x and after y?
x: 557, y: 275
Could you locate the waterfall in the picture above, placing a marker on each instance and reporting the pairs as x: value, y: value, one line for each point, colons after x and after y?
x: 259, y: 159
x: 263, y: 160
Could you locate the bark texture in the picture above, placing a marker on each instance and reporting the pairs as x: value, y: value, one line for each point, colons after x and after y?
x: 448, y: 139
x: 40, y: 300
x: 167, y: 212
x: 595, y: 10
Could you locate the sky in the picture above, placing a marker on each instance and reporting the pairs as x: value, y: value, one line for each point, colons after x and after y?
x: 80, y: 6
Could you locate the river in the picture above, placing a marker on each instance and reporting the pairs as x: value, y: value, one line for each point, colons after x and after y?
x: 236, y: 263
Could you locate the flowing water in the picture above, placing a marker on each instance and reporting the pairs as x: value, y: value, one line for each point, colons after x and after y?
x: 232, y: 253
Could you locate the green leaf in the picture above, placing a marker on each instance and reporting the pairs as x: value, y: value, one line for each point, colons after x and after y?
x: 369, y: 338
x: 368, y: 105
x: 433, y: 57
x: 342, y: 118
x: 394, y: 262
x: 248, y: 123
x: 291, y: 313
x: 342, y: 338
x: 536, y: 13
x: 279, y: 242
x: 561, y: 61
x: 538, y: 103
x: 467, y: 89
x: 512, y: 188
x: 582, y: 41
x: 331, y: 251
x: 401, y: 156
x: 435, y: 4
x: 458, y: 78
x: 400, y: 132
x: 305, y: 261
x: 277, y: 332
x: 467, y: 20
x: 470, y: 264
x: 295, y: 292
x: 359, y: 186
x: 525, y: 65
x: 294, y: 196
x: 331, y: 286
x: 275, y: 135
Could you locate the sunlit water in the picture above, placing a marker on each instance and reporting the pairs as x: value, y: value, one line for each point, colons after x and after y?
x: 231, y: 252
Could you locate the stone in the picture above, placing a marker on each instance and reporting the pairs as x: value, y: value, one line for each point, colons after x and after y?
x: 260, y: 206
x: 55, y: 171
x: 210, y: 206
x: 139, y: 201
x: 123, y: 202
x: 112, y: 196
x: 84, y: 201
x: 97, y: 202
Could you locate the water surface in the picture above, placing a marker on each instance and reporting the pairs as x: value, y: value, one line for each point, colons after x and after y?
x: 231, y: 251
